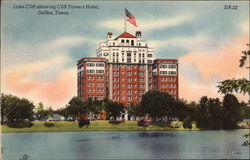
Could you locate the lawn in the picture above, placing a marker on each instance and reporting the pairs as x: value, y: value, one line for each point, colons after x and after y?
x: 101, y: 125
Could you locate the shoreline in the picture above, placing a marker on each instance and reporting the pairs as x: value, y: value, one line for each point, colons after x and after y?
x: 95, y: 126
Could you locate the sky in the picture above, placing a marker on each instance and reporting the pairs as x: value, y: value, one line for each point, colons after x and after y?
x: 39, y: 52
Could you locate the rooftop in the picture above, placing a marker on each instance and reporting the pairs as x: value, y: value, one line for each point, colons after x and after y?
x: 125, y: 35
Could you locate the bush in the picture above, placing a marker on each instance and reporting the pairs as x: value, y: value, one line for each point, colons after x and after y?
x: 20, y: 124
x: 83, y: 122
x: 143, y: 122
x: 175, y: 124
x: 187, y: 123
x: 49, y: 124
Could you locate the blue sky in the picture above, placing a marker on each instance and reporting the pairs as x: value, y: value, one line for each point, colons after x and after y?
x: 174, y: 29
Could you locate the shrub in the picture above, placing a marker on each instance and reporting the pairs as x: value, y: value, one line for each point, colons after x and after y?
x: 143, y: 122
x: 19, y: 124
x: 175, y: 124
x: 187, y: 123
x: 83, y: 122
x: 49, y: 124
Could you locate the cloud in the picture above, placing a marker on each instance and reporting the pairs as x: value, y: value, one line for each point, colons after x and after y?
x: 200, y: 72
x: 245, y: 26
x: 198, y: 43
x: 21, y: 53
x: 146, y: 25
x: 41, y: 72
x: 20, y: 81
x: 63, y: 43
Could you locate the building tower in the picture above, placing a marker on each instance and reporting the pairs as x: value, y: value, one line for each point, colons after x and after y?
x: 128, y: 69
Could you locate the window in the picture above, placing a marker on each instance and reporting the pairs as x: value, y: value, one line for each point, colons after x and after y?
x: 99, y: 71
x: 127, y: 42
x: 141, y: 67
x: 172, y: 72
x: 163, y: 72
x: 99, y: 65
x: 172, y: 66
x: 163, y: 66
x: 150, y: 55
x: 90, y: 64
x: 132, y: 43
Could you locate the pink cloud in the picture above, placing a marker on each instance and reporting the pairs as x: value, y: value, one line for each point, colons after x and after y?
x: 212, y: 68
x: 56, y: 92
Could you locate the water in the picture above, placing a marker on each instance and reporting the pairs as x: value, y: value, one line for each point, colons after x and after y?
x: 125, y: 145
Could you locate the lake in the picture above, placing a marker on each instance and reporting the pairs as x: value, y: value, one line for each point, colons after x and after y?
x: 125, y: 145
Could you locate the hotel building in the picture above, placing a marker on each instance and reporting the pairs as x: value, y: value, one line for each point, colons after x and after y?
x: 125, y: 68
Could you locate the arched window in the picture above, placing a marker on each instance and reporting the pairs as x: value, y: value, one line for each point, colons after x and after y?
x: 127, y: 42
x: 122, y: 41
x: 132, y: 43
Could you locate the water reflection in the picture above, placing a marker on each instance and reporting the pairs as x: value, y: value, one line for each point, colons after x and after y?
x: 126, y: 145
x: 155, y: 134
x: 158, y: 144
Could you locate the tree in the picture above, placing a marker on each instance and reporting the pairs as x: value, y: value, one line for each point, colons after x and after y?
x: 187, y: 123
x: 216, y: 113
x: 202, y: 113
x: 114, y: 109
x: 157, y: 104
x: 244, y: 57
x: 237, y: 85
x: 231, y: 109
x: 134, y: 109
x: 77, y: 107
x: 234, y: 85
x: 95, y: 106
x: 62, y: 111
x: 181, y: 109
x: 16, y: 109
x: 40, y: 112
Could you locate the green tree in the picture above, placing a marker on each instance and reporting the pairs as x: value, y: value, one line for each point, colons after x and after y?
x: 16, y: 109
x: 40, y: 112
x: 114, y: 109
x: 181, y: 109
x: 62, y: 111
x: 215, y: 113
x: 134, y: 109
x: 95, y: 106
x: 231, y: 109
x: 237, y: 85
x: 202, y: 113
x: 187, y: 123
x: 191, y: 110
x: 77, y: 107
x: 157, y: 104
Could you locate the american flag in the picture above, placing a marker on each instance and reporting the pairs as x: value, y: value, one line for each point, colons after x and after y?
x: 130, y: 17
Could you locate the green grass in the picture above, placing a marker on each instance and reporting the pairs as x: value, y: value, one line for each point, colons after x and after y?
x: 102, y: 125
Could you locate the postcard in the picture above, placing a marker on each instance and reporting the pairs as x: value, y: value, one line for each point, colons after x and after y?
x: 125, y: 80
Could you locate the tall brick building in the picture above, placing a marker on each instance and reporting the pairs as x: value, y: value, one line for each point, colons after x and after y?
x: 125, y: 68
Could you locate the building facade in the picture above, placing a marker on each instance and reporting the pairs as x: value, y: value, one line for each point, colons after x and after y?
x: 125, y: 68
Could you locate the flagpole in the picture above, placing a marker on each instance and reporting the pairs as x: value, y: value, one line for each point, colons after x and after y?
x: 125, y: 26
